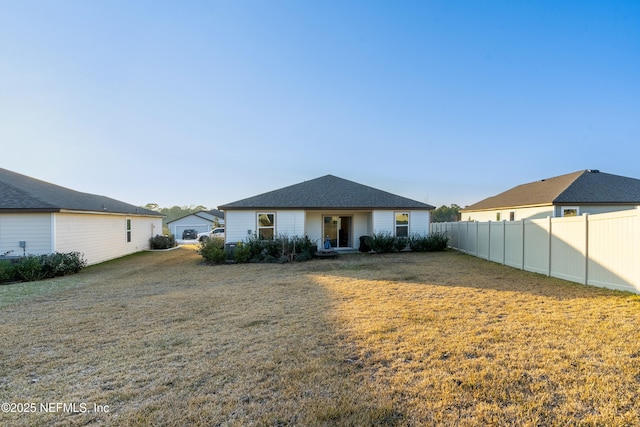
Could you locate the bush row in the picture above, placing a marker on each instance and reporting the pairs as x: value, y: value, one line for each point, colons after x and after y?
x: 282, y: 249
x: 386, y: 242
x: 429, y: 243
x: 162, y: 242
x: 39, y: 267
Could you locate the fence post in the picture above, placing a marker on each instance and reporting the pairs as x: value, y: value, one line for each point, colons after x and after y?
x: 466, y: 240
x: 586, y: 249
x: 550, y: 239
x: 477, y: 238
x: 523, y: 243
x: 489, y: 243
x: 504, y: 242
x: 636, y: 240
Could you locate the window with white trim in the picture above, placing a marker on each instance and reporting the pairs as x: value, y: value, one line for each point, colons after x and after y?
x: 128, y: 227
x: 402, y: 224
x: 570, y: 211
x: 266, y: 226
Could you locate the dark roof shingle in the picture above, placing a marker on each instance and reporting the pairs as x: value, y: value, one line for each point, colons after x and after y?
x: 327, y: 192
x: 20, y: 193
x: 582, y: 187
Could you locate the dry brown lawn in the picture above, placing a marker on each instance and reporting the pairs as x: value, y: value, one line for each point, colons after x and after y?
x: 405, y: 339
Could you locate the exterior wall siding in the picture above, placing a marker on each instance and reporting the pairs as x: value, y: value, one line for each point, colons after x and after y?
x: 33, y: 228
x: 101, y: 237
x: 419, y: 222
x: 519, y: 214
x: 383, y: 221
x: 290, y: 223
x: 539, y: 212
x: 313, y: 226
x: 361, y: 225
x: 240, y: 225
x: 594, y: 210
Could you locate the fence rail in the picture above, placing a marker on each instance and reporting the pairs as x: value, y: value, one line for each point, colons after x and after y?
x: 600, y: 250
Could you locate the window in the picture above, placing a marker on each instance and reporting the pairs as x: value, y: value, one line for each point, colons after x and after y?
x: 266, y: 226
x: 128, y: 230
x: 570, y: 211
x: 497, y: 216
x: 402, y: 224
x: 512, y: 216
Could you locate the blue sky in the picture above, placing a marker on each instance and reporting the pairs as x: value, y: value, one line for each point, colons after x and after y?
x: 208, y: 102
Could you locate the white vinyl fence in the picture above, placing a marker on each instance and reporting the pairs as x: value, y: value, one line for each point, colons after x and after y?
x: 601, y: 250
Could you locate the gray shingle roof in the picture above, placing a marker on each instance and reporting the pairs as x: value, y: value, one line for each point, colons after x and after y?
x: 20, y: 193
x: 216, y: 212
x: 582, y: 187
x: 327, y: 192
x: 212, y: 212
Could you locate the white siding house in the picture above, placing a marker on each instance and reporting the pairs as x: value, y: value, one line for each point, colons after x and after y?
x: 202, y: 222
x: 324, y: 207
x: 37, y: 218
x: 574, y: 194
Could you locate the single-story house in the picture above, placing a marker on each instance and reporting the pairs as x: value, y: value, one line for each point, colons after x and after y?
x: 328, y: 206
x: 38, y: 218
x: 201, y: 221
x: 586, y: 191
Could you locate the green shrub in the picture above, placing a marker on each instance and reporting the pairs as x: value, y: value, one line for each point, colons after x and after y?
x: 282, y: 249
x: 383, y: 242
x: 38, y: 267
x: 212, y: 250
x: 52, y: 265
x: 61, y: 264
x: 73, y: 262
x: 303, y: 248
x: 242, y: 253
x: 400, y: 243
x: 29, y: 269
x: 7, y: 271
x: 429, y: 243
x: 272, y: 249
x: 251, y: 250
x: 162, y: 242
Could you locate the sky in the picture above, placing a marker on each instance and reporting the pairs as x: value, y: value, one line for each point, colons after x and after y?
x: 208, y: 102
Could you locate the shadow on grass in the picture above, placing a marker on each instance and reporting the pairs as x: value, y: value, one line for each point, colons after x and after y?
x: 454, y: 269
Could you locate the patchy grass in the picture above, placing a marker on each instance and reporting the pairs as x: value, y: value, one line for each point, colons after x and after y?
x: 402, y: 339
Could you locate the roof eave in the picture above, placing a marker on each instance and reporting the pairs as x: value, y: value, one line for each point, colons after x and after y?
x: 325, y: 208
x: 108, y: 212
x: 536, y: 205
x: 29, y: 210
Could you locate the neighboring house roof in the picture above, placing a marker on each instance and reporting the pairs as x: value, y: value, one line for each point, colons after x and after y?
x: 327, y: 192
x: 20, y: 193
x: 206, y: 215
x: 216, y: 212
x: 582, y: 187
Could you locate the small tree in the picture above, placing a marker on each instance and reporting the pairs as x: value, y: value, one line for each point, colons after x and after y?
x: 212, y: 250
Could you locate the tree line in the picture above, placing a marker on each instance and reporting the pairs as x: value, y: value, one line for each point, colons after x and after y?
x: 446, y: 213
x: 175, y: 212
